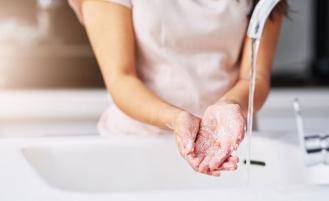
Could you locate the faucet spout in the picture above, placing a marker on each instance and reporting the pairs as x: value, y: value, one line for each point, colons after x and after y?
x: 261, y: 13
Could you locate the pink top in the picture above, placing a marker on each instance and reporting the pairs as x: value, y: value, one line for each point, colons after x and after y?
x: 188, y: 53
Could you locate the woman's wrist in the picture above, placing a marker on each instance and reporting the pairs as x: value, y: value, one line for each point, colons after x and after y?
x: 169, y: 115
x: 228, y: 100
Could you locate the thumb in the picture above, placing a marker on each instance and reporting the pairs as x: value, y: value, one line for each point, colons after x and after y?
x: 194, y: 130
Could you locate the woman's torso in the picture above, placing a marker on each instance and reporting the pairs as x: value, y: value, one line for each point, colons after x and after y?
x: 187, y: 54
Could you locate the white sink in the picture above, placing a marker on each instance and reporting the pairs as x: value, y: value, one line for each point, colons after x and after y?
x: 155, y: 165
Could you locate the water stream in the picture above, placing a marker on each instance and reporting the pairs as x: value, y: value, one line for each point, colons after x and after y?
x: 250, y: 113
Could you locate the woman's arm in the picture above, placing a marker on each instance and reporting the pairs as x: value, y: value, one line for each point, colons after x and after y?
x: 110, y: 30
x: 239, y: 93
x: 229, y: 109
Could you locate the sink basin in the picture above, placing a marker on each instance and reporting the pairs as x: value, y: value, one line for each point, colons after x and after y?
x: 155, y: 165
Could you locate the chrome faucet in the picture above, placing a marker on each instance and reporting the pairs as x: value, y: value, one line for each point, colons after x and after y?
x: 258, y: 19
x: 315, y: 147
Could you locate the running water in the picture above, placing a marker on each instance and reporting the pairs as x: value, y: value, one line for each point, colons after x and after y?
x: 250, y: 113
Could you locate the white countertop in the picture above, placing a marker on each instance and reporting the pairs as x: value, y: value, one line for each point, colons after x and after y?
x: 20, y: 182
x: 76, y: 113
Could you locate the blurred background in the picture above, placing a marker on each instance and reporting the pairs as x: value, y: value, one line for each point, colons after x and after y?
x: 42, y: 45
x: 46, y: 62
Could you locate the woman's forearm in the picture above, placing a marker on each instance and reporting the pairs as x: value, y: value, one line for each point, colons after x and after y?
x: 137, y: 101
x: 110, y: 30
x: 240, y: 92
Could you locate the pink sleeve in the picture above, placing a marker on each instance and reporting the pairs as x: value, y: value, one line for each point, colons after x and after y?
x: 76, y: 6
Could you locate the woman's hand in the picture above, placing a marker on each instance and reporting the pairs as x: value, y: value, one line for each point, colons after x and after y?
x: 186, y: 128
x: 221, y: 131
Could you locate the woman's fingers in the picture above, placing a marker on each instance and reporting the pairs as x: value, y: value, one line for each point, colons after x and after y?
x: 218, y: 159
x: 188, y: 146
x: 209, y: 152
x: 192, y: 161
x: 202, y: 146
x: 216, y: 173
x: 181, y: 147
x: 233, y: 159
x: 194, y: 130
x: 204, y: 165
x: 198, y: 159
x: 186, y: 127
x: 229, y: 166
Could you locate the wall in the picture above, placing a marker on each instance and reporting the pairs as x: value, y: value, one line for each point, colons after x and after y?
x: 295, y: 49
x: 65, y: 60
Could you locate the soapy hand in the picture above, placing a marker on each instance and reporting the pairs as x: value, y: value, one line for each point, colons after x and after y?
x: 186, y: 127
x: 221, y: 131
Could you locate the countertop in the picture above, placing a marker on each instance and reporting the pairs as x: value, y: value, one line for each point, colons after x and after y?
x: 20, y: 182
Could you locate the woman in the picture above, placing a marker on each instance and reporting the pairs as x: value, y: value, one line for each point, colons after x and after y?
x: 167, y: 63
